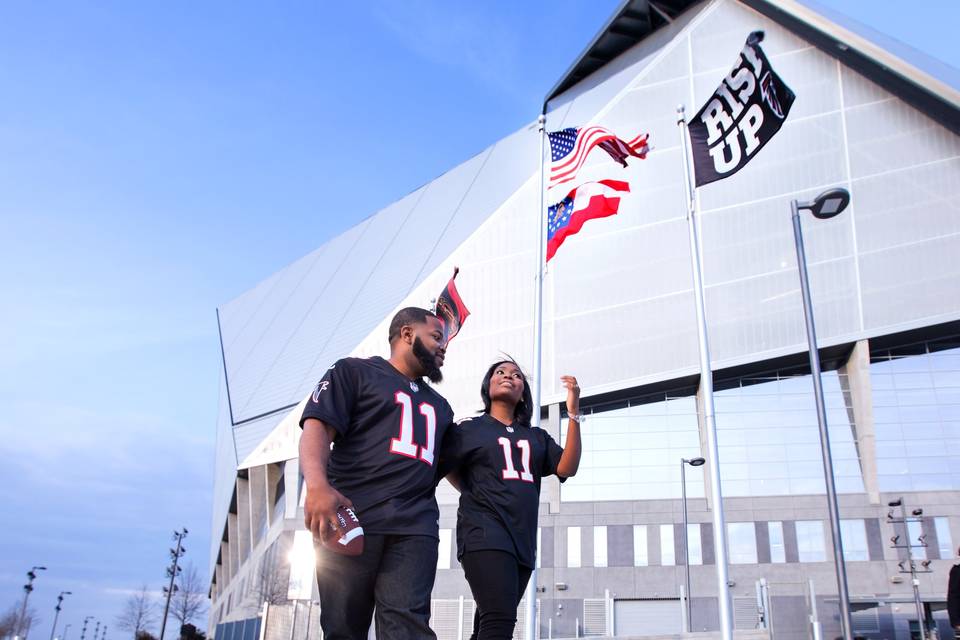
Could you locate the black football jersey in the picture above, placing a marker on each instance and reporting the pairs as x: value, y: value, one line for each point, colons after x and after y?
x: 384, y: 455
x: 500, y: 469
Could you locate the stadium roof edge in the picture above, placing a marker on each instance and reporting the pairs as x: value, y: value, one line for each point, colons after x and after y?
x: 920, y: 80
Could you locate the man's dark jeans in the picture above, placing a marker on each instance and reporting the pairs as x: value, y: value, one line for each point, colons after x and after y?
x: 395, y: 573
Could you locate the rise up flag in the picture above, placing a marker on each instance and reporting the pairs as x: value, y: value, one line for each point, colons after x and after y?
x: 450, y: 309
x: 744, y: 113
x: 586, y: 202
x: 570, y: 147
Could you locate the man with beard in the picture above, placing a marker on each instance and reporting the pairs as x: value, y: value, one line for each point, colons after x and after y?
x: 386, y: 424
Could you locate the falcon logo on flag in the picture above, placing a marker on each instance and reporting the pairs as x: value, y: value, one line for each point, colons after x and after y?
x: 570, y: 147
x: 586, y: 202
x: 743, y: 114
x: 450, y: 309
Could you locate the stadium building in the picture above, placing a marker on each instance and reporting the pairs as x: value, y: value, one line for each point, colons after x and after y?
x: 871, y: 116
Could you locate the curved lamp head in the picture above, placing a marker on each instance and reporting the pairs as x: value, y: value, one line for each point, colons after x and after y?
x: 828, y: 204
x: 696, y: 462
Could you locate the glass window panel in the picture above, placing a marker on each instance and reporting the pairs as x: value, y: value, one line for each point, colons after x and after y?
x: 915, y: 530
x: 853, y: 533
x: 742, y: 542
x: 778, y: 553
x: 599, y: 546
x: 573, y: 547
x: 810, y: 542
x: 944, y: 540
x: 667, y: 555
x: 640, y: 545
x: 694, y: 546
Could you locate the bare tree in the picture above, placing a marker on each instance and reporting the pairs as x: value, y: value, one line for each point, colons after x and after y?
x: 8, y: 622
x: 273, y: 580
x: 11, y: 624
x: 189, y: 601
x: 139, y: 612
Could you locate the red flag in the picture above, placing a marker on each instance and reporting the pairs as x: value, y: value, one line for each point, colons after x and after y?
x: 589, y: 200
x: 450, y: 309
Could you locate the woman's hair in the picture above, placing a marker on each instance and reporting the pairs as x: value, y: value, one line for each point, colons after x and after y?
x: 524, y: 409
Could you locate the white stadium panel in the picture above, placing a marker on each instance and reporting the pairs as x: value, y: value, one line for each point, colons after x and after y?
x: 719, y: 36
x: 247, y: 320
x: 924, y: 195
x: 510, y: 164
x: 580, y: 105
x: 320, y: 313
x: 258, y: 334
x: 251, y: 433
x: 889, y: 135
x: 909, y: 284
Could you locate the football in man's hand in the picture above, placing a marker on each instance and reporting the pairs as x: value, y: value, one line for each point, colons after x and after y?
x: 348, y: 538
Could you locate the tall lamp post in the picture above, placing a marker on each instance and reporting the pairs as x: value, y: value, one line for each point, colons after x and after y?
x: 27, y: 588
x: 172, y: 571
x: 695, y: 462
x: 825, y: 206
x: 57, y: 608
x: 66, y: 628
x: 83, y: 629
x: 909, y: 546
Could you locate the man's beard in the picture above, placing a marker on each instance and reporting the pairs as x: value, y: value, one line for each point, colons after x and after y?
x: 427, y: 361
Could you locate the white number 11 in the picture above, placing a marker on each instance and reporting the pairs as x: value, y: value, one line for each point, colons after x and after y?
x: 510, y: 472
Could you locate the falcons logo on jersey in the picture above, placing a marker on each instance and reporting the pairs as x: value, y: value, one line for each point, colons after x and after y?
x: 323, y: 384
x: 769, y: 93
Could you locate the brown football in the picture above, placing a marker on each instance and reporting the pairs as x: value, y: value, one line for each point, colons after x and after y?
x: 348, y: 539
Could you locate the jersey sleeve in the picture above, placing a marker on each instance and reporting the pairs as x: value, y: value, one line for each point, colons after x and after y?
x: 453, y: 450
x: 551, y: 457
x: 332, y: 399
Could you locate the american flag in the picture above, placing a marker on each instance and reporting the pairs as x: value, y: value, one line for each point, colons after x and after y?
x: 586, y: 202
x: 569, y: 149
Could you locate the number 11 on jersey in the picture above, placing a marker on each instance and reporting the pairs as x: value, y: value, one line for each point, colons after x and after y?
x: 510, y: 472
x: 403, y: 444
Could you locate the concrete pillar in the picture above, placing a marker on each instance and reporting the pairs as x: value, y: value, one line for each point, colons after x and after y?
x: 550, y: 487
x: 243, y: 518
x: 291, y: 488
x: 233, y: 543
x: 704, y: 448
x: 272, y: 476
x: 858, y: 397
x: 258, y: 505
x: 226, y: 564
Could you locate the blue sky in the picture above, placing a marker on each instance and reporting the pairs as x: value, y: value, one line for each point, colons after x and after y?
x: 160, y: 159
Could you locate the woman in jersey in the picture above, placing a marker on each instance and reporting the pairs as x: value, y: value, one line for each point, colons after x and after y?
x: 497, y: 460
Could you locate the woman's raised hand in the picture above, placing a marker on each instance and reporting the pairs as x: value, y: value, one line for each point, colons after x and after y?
x: 573, y: 394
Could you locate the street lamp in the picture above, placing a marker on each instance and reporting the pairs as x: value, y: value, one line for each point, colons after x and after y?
x: 912, y: 570
x: 695, y: 462
x: 172, y: 571
x: 66, y: 628
x: 825, y: 206
x: 57, y: 608
x: 83, y: 630
x: 27, y: 588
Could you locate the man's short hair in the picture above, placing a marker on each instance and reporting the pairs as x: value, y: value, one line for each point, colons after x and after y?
x: 407, y: 316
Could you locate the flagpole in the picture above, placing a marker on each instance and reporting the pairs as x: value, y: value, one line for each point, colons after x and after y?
x: 530, y: 619
x: 706, y: 391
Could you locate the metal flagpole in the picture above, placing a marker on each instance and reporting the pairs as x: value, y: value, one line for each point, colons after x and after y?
x: 706, y: 389
x: 530, y: 619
